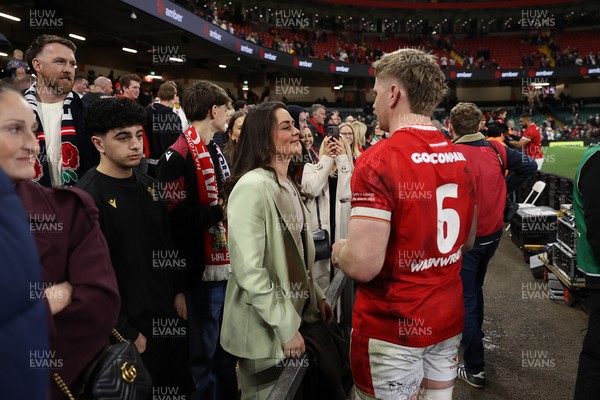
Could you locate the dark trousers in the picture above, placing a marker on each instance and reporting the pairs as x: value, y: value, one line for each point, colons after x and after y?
x: 212, y: 368
x: 474, y: 267
x: 166, y: 359
x: 587, y: 386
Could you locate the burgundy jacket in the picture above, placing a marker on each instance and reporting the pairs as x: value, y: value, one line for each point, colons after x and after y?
x: 72, y: 247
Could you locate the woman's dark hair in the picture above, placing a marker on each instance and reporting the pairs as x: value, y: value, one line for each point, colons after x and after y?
x: 256, y: 147
x: 231, y: 122
x: 295, y: 112
x: 231, y: 145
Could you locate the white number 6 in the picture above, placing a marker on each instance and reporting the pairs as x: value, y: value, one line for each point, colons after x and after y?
x: 448, y: 217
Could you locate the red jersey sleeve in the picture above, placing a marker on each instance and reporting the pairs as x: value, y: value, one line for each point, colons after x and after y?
x: 371, y: 195
x: 531, y: 132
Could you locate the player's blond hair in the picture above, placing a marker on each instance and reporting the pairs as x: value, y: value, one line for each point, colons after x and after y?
x: 419, y: 74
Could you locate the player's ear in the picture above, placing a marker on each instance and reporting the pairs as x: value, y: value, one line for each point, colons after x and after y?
x: 395, y: 94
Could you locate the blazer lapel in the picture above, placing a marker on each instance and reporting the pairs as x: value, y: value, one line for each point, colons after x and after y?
x: 285, y: 208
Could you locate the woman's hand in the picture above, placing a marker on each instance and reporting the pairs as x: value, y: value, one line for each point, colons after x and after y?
x: 140, y: 343
x: 180, y: 305
x: 59, y: 296
x: 326, y: 311
x: 330, y: 147
x: 340, y: 147
x: 295, y: 347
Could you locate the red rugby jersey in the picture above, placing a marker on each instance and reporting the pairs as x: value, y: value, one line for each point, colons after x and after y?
x: 421, y: 183
x: 533, y: 148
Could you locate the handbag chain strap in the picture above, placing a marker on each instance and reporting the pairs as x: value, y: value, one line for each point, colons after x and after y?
x: 118, y: 335
x: 63, y: 386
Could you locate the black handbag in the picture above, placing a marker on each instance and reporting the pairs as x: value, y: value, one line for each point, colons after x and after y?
x: 321, y: 239
x: 117, y: 373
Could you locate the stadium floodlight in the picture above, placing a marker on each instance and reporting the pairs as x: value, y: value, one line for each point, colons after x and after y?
x: 11, y: 17
x: 74, y: 36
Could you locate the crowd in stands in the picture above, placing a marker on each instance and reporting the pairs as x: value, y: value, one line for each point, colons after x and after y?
x: 341, y: 45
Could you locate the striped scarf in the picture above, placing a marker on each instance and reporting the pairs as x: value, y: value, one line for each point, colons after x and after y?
x: 216, y: 252
x: 71, y: 168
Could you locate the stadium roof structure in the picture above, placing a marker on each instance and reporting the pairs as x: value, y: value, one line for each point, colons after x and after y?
x: 162, y: 23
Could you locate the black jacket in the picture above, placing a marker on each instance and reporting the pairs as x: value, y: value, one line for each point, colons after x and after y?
x: 163, y: 127
x: 133, y: 218
x: 187, y: 217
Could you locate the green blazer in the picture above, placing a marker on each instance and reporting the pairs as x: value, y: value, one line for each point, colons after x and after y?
x: 270, y: 284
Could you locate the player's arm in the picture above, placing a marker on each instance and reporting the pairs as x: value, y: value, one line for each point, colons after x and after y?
x: 361, y: 256
x: 519, y: 143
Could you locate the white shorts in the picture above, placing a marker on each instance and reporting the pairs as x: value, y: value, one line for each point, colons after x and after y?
x: 389, y: 371
x: 539, y: 162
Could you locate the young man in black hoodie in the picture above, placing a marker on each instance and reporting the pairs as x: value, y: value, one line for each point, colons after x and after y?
x: 163, y: 126
x: 134, y: 220
x: 195, y: 167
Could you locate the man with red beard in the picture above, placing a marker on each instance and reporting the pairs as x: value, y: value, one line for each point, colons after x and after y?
x: 66, y: 150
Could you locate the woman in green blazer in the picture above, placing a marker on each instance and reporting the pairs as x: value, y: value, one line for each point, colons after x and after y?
x: 271, y: 291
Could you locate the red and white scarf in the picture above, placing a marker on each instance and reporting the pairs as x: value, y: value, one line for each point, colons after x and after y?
x: 216, y: 253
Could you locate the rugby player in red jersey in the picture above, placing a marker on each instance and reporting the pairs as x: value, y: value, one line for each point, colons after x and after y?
x: 413, y: 215
x: 531, y: 141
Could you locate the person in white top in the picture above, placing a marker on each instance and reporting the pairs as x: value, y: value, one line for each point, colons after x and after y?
x: 335, y: 166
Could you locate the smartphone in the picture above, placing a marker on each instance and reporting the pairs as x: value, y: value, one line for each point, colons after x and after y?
x: 334, y: 132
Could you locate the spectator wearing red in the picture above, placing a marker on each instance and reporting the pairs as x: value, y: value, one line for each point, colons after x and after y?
x: 489, y: 162
x: 316, y: 123
x: 531, y: 141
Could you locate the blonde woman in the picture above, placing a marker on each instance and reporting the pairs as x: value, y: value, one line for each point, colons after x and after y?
x: 327, y: 186
x: 360, y: 137
x: 348, y: 133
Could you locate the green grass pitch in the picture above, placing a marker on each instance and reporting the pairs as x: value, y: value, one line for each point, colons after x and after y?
x: 562, y: 161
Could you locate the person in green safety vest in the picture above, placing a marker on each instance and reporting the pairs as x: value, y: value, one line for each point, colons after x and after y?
x: 586, y: 203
